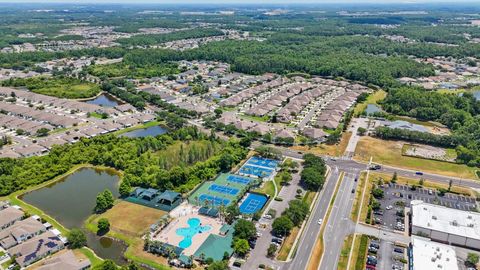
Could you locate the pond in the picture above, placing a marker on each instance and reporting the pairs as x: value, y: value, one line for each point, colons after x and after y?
x: 144, y: 132
x: 105, y: 100
x: 372, y: 108
x: 71, y: 201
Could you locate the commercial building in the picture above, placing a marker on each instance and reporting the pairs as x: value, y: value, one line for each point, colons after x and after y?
x: 446, y: 225
x: 426, y: 254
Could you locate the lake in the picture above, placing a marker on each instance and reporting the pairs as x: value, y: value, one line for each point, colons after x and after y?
x: 105, y: 100
x: 144, y: 132
x: 71, y: 201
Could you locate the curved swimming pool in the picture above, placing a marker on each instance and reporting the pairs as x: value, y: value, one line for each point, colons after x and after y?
x: 194, y: 227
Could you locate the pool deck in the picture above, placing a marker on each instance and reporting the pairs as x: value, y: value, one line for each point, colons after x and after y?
x: 169, y: 235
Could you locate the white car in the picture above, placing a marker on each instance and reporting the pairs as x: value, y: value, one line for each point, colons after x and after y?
x: 389, y: 207
x: 320, y: 221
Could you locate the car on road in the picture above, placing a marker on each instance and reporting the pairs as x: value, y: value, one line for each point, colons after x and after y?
x: 389, y: 207
x: 353, y: 190
x: 375, y: 167
x: 419, y: 173
x: 320, y: 221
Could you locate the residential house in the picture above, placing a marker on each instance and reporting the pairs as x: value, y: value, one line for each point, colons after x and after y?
x: 64, y: 261
x: 9, y: 216
x: 20, y: 232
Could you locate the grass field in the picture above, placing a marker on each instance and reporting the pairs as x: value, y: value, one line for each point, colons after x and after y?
x: 374, y: 98
x: 58, y: 87
x: 390, y: 153
x: 325, y: 149
x: 345, y: 253
x: 130, y: 218
x: 288, y: 244
x: 128, y: 223
x: 450, y: 154
x: 267, y: 188
x: 360, y: 252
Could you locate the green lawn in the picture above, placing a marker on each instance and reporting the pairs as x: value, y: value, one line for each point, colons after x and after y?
x: 267, y: 188
x: 362, y: 253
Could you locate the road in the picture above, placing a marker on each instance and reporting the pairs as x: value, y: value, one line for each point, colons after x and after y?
x: 312, y: 228
x: 259, y: 254
x: 339, y: 224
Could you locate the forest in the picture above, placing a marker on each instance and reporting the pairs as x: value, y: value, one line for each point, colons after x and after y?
x: 144, y: 161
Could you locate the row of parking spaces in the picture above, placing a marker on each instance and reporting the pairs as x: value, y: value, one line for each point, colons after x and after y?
x: 391, y: 216
x: 386, y: 255
x: 431, y: 192
x: 430, y: 196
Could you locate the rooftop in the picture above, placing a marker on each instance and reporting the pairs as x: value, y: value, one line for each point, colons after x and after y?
x: 432, y: 255
x: 444, y: 219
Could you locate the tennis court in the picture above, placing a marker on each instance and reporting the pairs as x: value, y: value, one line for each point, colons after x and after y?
x: 223, y: 189
x: 216, y: 201
x: 255, y: 171
x: 263, y: 162
x: 253, y: 203
x: 238, y: 179
x: 220, y: 191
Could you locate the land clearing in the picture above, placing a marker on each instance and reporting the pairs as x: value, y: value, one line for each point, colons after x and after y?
x: 390, y: 153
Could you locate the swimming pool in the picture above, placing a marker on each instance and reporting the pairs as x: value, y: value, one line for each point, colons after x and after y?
x: 194, y: 227
x: 253, y: 203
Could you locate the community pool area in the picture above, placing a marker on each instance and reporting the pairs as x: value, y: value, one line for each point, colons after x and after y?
x: 253, y: 203
x: 194, y: 227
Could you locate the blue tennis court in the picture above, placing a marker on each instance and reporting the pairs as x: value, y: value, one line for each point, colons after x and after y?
x: 223, y: 189
x: 253, y: 203
x: 214, y: 200
x: 264, y: 162
x: 254, y: 170
x: 238, y: 179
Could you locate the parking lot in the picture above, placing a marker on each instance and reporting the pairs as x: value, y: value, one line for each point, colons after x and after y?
x: 397, y: 197
x: 386, y: 255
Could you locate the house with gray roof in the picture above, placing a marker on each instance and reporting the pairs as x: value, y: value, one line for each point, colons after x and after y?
x: 20, y: 232
x: 36, y: 248
x: 9, y: 216
x: 64, y: 261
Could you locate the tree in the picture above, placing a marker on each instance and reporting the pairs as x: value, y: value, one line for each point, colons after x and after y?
x: 104, y: 201
x: 421, y: 182
x: 377, y: 193
x: 282, y: 226
x: 472, y: 258
x: 450, y: 183
x: 107, y: 265
x: 244, y: 229
x: 76, y: 238
x: 297, y: 211
x: 125, y: 188
x: 312, y: 178
x: 218, y: 112
x: 361, y: 131
x: 42, y: 132
x: 103, y: 225
x: 232, y: 212
x: 394, y: 178
x: 240, y: 246
x: 220, y: 265
x: 272, y: 249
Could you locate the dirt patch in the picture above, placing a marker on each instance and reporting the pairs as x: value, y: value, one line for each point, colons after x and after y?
x: 429, y: 152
